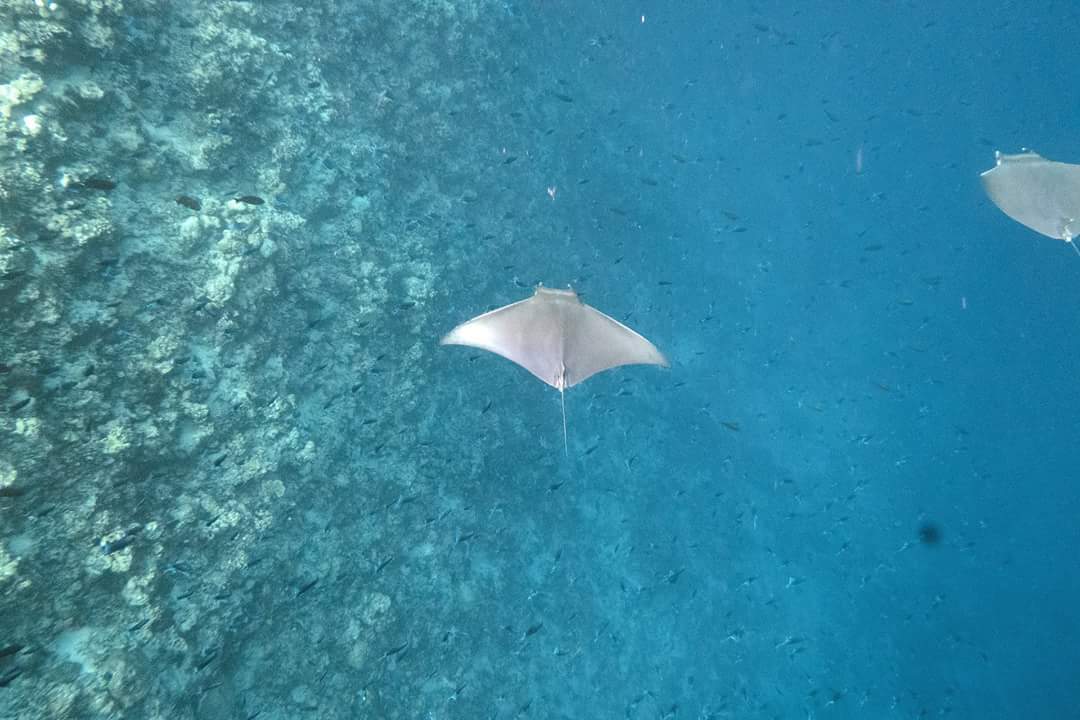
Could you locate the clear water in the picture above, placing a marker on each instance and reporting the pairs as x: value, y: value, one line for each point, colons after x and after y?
x: 240, y: 479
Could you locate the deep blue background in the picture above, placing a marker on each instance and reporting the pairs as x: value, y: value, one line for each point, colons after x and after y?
x: 242, y: 477
x: 886, y: 348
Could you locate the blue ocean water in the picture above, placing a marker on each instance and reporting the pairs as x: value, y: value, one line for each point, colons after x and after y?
x: 239, y: 478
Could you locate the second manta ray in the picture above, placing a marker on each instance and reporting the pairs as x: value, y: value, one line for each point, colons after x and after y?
x: 557, y: 338
x: 1042, y: 194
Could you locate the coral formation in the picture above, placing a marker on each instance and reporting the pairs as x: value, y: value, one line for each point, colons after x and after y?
x: 210, y: 220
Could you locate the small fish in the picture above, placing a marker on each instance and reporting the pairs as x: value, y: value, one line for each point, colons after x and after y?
x: 206, y: 660
x: 731, y: 425
x: 533, y: 629
x: 189, y: 202
x: 565, y: 98
x: 95, y: 183
x: 396, y: 650
x: 250, y: 200
x: 108, y: 548
x: 307, y: 586
x: 10, y: 676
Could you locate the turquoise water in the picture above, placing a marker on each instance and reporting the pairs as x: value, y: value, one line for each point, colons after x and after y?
x: 239, y: 477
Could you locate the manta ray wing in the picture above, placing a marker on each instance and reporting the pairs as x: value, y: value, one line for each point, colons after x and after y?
x: 557, y: 338
x: 596, y: 342
x: 1041, y: 194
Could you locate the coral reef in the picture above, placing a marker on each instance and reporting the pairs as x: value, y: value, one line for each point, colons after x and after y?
x: 216, y: 245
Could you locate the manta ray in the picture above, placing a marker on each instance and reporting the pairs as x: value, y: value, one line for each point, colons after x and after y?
x: 559, y: 339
